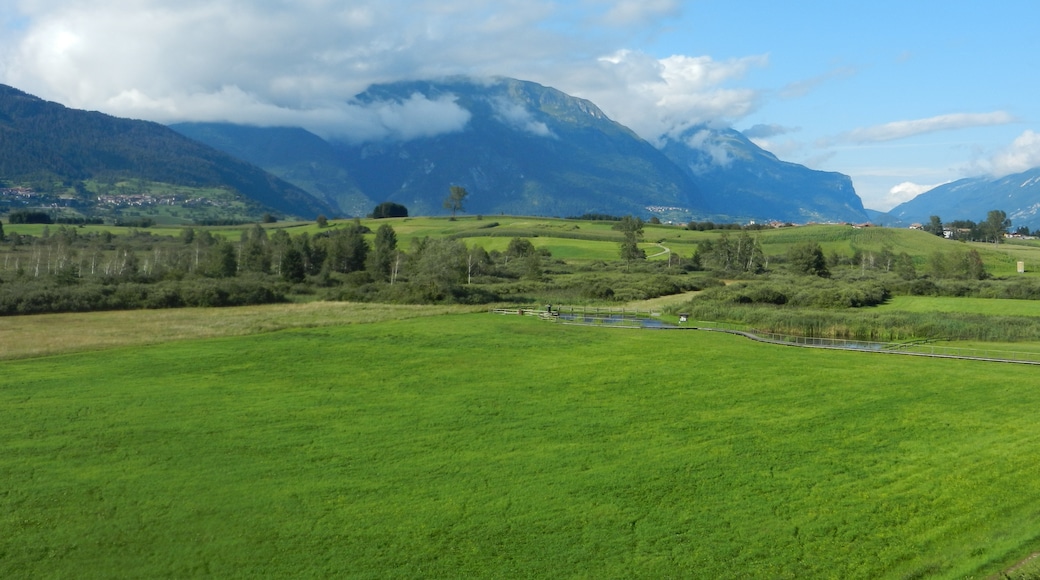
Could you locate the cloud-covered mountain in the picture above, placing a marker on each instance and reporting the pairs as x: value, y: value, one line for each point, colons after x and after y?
x: 1017, y: 195
x: 517, y: 147
x: 523, y: 148
x: 44, y: 142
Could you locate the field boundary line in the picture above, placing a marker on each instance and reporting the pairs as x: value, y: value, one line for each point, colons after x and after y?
x: 647, y: 319
x: 892, y: 348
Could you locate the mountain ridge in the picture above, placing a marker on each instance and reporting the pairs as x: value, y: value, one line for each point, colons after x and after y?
x: 42, y: 140
x: 1017, y: 194
x: 529, y: 149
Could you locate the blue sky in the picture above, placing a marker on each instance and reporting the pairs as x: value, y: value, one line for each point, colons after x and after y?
x: 901, y: 96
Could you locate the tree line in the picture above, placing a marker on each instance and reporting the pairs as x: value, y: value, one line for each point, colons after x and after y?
x: 64, y: 269
x: 992, y: 229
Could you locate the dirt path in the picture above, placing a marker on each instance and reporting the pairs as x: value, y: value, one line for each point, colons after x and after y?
x: 664, y: 251
x: 1008, y: 572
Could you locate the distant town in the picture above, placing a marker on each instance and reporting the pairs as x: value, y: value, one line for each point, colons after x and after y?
x: 26, y: 196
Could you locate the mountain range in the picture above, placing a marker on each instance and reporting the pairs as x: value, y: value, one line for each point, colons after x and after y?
x: 1017, y: 195
x: 516, y: 146
x: 527, y: 149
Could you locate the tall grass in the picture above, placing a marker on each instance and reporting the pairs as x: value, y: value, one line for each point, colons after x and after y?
x: 49, y: 334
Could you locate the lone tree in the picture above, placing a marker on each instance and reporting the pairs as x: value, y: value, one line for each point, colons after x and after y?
x: 456, y: 195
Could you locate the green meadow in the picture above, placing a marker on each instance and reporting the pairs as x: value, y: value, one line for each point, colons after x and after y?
x: 475, y: 445
x: 967, y: 305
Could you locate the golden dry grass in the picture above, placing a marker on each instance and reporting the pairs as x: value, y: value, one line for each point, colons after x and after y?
x: 49, y: 334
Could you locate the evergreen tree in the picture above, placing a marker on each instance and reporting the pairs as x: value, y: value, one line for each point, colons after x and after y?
x: 384, y: 253
x: 935, y: 226
x: 293, y: 268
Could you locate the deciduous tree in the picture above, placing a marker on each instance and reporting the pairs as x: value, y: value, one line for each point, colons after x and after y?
x: 808, y: 258
x: 255, y: 254
x: 632, y: 229
x: 905, y: 266
x: 438, y: 266
x: 519, y: 248
x: 389, y: 209
x: 456, y: 196
x: 995, y: 226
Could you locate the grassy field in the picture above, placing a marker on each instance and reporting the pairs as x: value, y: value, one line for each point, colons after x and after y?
x: 986, y: 306
x: 484, y: 446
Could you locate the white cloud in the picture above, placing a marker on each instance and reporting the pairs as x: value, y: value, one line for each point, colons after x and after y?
x: 763, y: 131
x: 788, y: 149
x: 664, y: 97
x: 414, y: 117
x: 717, y: 153
x: 904, y: 192
x: 517, y: 116
x: 1022, y: 154
x: 910, y: 128
x: 173, y: 57
x: 269, y: 62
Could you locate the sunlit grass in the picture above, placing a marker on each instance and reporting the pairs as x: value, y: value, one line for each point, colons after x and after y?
x: 493, y: 446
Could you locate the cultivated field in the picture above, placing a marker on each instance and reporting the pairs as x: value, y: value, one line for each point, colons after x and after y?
x: 471, y: 445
